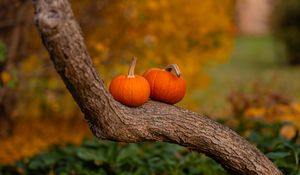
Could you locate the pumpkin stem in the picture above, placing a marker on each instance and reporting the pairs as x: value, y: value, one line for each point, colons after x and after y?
x: 175, y: 68
x: 132, y: 67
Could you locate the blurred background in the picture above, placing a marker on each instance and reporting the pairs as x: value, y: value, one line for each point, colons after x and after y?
x: 241, y: 60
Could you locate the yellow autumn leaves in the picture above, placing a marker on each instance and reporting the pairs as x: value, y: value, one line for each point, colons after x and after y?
x: 280, y: 112
x: 6, y: 77
x: 189, y: 33
x: 32, y: 136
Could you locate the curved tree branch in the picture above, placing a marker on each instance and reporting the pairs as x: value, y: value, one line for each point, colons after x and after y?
x: 108, y: 119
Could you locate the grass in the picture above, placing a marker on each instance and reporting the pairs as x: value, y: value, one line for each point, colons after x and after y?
x: 254, y: 60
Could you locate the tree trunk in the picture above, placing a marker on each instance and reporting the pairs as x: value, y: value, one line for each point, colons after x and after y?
x: 108, y: 119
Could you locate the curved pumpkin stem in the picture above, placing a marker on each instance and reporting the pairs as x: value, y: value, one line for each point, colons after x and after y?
x: 175, y: 68
x: 132, y: 67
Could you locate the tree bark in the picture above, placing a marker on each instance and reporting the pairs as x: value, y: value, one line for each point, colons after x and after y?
x: 108, y: 119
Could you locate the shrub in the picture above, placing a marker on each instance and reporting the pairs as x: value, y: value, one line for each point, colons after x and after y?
x: 105, y: 157
x: 287, y: 28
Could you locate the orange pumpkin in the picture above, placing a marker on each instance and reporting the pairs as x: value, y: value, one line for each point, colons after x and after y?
x: 130, y: 90
x: 164, y: 85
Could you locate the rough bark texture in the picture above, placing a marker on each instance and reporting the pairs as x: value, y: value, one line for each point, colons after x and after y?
x: 108, y: 119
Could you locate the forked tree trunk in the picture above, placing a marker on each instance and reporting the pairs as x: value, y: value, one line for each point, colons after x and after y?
x: 108, y: 119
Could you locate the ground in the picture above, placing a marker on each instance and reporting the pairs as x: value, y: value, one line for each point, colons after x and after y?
x: 254, y: 60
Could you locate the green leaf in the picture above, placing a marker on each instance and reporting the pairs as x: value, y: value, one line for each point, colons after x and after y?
x: 127, y: 153
x: 277, y: 155
x: 91, y: 155
x: 2, y: 52
x: 35, y: 164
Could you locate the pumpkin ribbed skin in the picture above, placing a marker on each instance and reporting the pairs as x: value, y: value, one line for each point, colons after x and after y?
x: 165, y: 86
x: 130, y: 91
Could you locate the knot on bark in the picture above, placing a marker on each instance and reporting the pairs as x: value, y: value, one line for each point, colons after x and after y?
x: 49, y: 15
x: 49, y: 20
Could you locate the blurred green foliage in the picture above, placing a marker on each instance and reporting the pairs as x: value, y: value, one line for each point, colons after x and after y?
x: 105, y: 157
x: 2, y: 52
x: 267, y: 137
x: 287, y: 27
x: 255, y: 61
